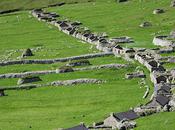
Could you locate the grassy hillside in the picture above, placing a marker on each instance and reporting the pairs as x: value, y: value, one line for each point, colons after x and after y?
x: 49, y: 108
x: 123, y: 19
x: 54, y: 107
x: 29, y: 4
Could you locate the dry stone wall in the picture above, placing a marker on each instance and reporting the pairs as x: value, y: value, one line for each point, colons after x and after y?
x: 32, y: 73
x: 51, y: 61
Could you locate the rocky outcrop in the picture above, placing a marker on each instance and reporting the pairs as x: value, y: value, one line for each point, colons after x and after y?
x: 121, y: 40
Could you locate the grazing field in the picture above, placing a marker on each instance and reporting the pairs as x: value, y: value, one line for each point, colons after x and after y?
x: 61, y: 107
x: 123, y: 19
x: 30, y: 4
x: 54, y: 107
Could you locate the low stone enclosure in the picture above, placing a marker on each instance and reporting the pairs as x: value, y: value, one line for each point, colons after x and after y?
x: 164, y: 41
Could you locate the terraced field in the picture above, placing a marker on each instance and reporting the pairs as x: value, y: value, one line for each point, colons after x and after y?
x: 61, y: 107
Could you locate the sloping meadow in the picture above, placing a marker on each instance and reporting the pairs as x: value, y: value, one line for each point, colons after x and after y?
x: 54, y: 107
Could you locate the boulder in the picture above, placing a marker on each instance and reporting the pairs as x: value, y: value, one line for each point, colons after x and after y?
x: 27, y: 52
x: 145, y: 24
x: 28, y: 80
x: 158, y: 11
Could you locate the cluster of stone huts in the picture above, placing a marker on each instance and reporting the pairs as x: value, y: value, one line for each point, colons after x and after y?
x: 161, y: 78
x: 74, y: 29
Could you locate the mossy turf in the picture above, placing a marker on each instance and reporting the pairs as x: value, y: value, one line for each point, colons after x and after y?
x: 53, y: 107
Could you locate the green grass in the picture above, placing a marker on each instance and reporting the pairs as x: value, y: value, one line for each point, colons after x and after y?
x: 30, y: 4
x: 162, y: 121
x: 48, y: 108
x: 29, y: 33
x: 54, y: 107
x: 123, y: 19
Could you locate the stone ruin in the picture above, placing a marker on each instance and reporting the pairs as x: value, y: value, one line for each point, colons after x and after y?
x: 121, y: 121
x: 165, y: 41
x: 145, y: 24
x: 121, y: 40
x: 27, y: 52
x: 158, y: 11
x: 172, y: 34
x: 138, y: 74
x: 29, y: 79
x: 65, y: 69
x: 172, y: 103
x: 160, y: 76
x: 127, y: 53
x: 79, y: 63
x: 2, y: 93
x: 172, y: 3
x: 169, y: 49
x: 119, y: 1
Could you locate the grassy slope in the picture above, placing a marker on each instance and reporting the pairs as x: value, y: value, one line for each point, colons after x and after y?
x: 28, y: 32
x: 28, y: 4
x: 49, y: 108
x: 123, y: 19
